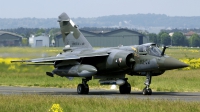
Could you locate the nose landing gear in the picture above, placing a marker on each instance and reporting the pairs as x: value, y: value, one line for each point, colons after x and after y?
x: 147, y: 90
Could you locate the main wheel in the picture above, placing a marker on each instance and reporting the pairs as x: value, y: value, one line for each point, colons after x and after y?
x: 86, y: 89
x: 80, y: 89
x: 128, y: 88
x: 125, y: 89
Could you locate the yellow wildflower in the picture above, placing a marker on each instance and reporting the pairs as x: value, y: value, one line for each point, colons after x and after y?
x: 56, y: 108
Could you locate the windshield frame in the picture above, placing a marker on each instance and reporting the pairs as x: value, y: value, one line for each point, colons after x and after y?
x: 154, y: 51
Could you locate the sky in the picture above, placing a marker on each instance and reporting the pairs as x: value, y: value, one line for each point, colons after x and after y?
x: 96, y: 8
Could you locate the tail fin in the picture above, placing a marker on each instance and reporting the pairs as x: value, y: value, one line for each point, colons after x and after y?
x: 71, y: 34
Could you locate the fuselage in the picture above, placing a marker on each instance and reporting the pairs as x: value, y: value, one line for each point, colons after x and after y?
x: 132, y: 60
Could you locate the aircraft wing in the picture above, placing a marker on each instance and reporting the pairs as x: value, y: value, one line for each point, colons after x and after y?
x: 62, y: 57
x: 93, y: 54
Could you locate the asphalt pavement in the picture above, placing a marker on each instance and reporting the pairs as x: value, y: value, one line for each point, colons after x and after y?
x: 185, y: 96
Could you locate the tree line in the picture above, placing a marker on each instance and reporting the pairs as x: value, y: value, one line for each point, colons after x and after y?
x: 177, y: 39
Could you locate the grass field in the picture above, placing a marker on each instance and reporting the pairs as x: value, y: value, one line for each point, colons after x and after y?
x: 44, y: 103
x: 175, y: 80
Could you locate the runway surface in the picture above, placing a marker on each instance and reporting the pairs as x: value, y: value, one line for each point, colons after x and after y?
x: 185, y: 96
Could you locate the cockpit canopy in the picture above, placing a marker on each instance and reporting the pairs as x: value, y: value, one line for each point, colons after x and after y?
x: 150, y: 49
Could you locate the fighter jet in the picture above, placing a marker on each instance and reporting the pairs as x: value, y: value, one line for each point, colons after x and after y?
x: 109, y: 65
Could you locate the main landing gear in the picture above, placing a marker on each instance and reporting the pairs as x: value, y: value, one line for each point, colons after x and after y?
x: 83, y: 88
x: 125, y: 88
x: 147, y: 90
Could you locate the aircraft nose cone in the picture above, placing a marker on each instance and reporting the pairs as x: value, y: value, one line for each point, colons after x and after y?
x: 172, y: 63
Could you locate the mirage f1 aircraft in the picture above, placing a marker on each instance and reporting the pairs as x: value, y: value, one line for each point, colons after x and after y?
x: 109, y: 65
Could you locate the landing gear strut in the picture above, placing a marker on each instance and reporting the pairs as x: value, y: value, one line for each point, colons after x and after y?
x: 125, y: 88
x: 83, y: 88
x: 147, y: 90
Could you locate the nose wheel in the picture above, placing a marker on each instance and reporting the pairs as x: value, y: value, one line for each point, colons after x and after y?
x: 147, y: 90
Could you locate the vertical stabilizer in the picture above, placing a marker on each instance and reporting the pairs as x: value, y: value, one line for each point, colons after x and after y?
x: 71, y: 34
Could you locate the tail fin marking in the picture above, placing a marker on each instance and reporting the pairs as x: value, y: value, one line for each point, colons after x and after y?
x: 71, y: 34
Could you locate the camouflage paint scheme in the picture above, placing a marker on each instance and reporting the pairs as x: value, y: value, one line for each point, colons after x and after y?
x: 110, y: 65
